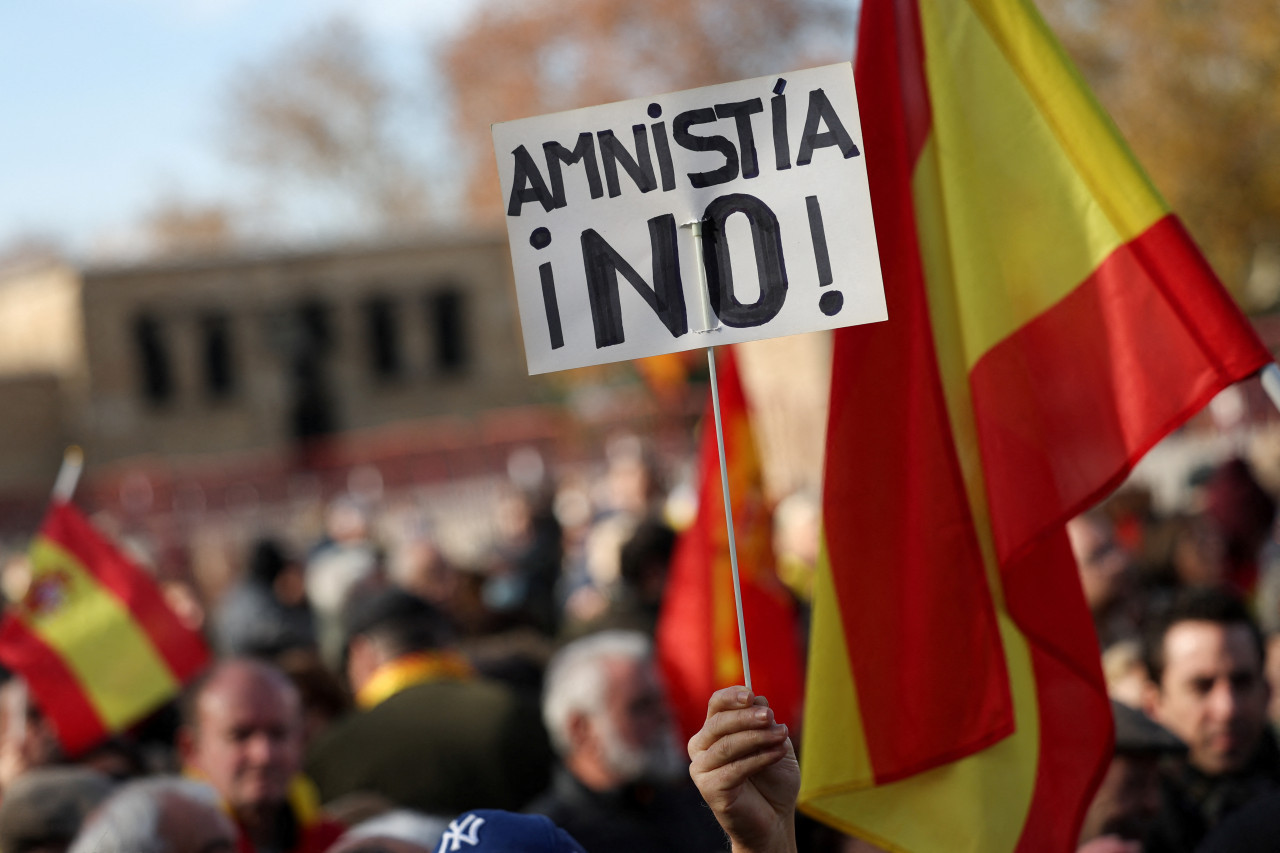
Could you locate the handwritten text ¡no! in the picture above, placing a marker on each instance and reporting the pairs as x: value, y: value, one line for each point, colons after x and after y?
x: 571, y: 174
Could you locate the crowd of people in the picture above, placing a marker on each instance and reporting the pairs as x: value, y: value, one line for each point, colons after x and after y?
x: 1187, y: 614
x: 366, y: 700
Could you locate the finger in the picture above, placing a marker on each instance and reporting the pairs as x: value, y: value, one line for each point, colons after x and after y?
x: 725, y: 723
x: 732, y: 747
x: 728, y: 698
x: 726, y: 777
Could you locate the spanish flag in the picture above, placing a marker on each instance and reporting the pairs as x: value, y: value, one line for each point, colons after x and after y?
x: 93, y: 637
x: 1049, y: 321
x: 697, y: 635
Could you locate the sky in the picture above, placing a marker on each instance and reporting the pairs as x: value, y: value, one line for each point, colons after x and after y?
x: 108, y: 106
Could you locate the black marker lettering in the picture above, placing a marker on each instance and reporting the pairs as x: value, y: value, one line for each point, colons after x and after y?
x: 663, y: 147
x: 766, y: 237
x: 692, y: 142
x: 821, y: 111
x: 584, y: 152
x: 551, y: 305
x: 831, y: 301
x: 640, y: 167
x: 781, y: 140
x: 603, y: 263
x: 741, y: 113
x: 527, y: 184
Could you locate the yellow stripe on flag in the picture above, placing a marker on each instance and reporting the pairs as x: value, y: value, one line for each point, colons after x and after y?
x: 1015, y: 249
x: 1081, y: 126
x: 95, y: 634
x: 840, y: 764
x: 977, y: 803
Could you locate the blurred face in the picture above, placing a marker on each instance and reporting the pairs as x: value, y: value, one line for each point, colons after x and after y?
x: 1212, y: 694
x: 247, y: 739
x: 1104, y: 566
x: 1127, y: 800
x: 192, y: 827
x: 636, y: 732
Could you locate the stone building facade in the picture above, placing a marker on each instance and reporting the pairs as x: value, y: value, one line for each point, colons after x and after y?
x: 251, y: 353
x: 264, y: 352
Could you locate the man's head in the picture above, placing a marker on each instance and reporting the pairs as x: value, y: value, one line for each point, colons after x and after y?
x: 645, y: 558
x: 395, y: 831
x: 43, y: 808
x: 242, y: 733
x: 387, y: 624
x: 606, y: 713
x: 159, y: 815
x: 1103, y: 564
x: 1128, y: 799
x: 1205, y: 661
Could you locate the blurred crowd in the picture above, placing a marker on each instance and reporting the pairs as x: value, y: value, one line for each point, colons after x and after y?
x: 1187, y: 611
x: 367, y: 694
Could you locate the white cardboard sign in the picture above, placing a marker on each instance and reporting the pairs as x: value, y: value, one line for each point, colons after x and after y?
x: 602, y: 204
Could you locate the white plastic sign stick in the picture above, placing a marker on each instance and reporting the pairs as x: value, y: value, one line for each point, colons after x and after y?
x: 773, y: 170
x: 1271, y: 383
x: 68, y: 475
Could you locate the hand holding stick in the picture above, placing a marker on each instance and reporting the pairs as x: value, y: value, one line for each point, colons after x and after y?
x: 746, y: 769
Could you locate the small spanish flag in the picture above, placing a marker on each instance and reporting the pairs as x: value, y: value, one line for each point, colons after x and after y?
x: 93, y: 637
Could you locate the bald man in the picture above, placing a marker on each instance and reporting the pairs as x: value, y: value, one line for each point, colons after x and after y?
x: 242, y: 735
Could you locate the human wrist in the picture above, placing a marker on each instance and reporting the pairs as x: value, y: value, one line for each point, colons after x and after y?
x: 781, y: 840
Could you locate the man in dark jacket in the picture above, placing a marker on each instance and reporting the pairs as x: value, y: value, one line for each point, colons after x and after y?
x: 1204, y: 658
x: 430, y: 734
x: 623, y: 784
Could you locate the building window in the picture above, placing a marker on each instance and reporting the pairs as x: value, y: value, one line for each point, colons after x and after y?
x: 155, y: 372
x: 218, y: 360
x: 313, y: 319
x: 382, y: 329
x: 309, y: 339
x: 447, y: 316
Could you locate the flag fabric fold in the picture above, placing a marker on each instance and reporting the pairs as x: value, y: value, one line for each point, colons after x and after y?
x: 697, y: 635
x: 93, y: 636
x: 1049, y: 321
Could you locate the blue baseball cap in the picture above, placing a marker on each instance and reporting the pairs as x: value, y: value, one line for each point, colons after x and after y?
x: 494, y: 831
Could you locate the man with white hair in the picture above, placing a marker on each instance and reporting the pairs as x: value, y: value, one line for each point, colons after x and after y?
x: 623, y: 783
x: 165, y: 814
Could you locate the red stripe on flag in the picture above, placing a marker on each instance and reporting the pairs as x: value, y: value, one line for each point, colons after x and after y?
x: 1067, y: 404
x: 917, y: 110
x: 183, y: 650
x: 918, y: 618
x: 1043, y: 596
x: 61, y: 699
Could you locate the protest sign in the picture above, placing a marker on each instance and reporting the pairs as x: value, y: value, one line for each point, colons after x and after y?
x: 602, y: 202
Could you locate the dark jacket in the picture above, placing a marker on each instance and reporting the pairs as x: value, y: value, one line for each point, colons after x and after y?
x: 1193, y: 804
x: 633, y: 819
x: 441, y: 747
x: 1252, y: 829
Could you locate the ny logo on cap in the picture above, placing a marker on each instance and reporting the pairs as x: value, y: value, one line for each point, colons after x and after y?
x: 465, y: 829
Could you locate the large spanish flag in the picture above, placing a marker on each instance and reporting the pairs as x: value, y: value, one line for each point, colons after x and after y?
x: 1049, y: 320
x: 698, y: 645
x: 93, y: 637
